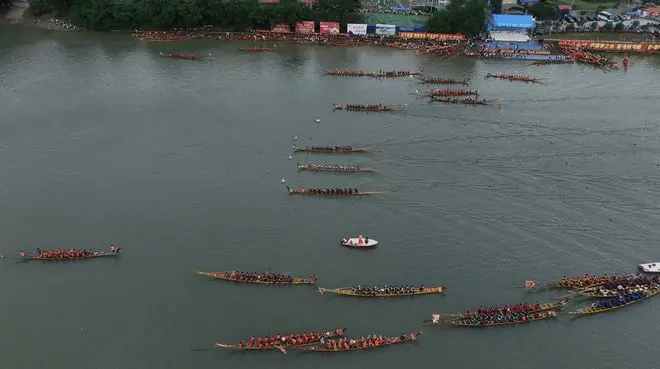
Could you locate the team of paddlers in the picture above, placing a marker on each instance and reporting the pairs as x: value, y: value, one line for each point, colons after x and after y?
x: 629, y: 282
x: 326, y: 191
x: 63, y: 254
x: 363, y: 107
x: 507, y: 317
x: 588, y: 58
x: 444, y: 81
x: 329, y: 148
x: 586, y: 281
x: 261, y: 277
x: 438, y: 92
x: 622, y: 299
x: 394, y: 289
x: 379, y: 74
x: 514, y: 77
x: 467, y: 101
x: 178, y: 34
x: 256, y: 49
x: 273, y: 341
x: 331, y: 168
x: 342, y: 344
x: 181, y: 56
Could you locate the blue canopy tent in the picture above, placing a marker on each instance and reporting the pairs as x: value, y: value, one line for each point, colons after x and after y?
x: 510, y: 22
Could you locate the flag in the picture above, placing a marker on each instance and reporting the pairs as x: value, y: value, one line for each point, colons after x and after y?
x: 436, y: 318
x: 529, y: 284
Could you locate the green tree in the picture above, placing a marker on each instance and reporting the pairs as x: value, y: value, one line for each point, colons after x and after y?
x: 463, y: 16
x: 496, y: 6
x: 544, y: 11
x: 608, y: 26
x: 336, y: 10
x: 618, y: 26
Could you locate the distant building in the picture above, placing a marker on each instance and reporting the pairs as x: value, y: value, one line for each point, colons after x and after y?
x: 510, y: 27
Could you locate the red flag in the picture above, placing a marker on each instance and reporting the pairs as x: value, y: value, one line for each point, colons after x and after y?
x: 529, y: 284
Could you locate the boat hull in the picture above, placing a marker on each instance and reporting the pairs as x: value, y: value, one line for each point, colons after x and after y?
x: 226, y: 276
x: 349, y: 292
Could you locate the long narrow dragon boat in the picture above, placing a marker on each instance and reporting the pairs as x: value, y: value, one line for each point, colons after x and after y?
x: 331, y: 149
x: 552, y: 61
x: 181, y: 56
x: 331, y: 192
x: 382, y: 292
x: 446, y: 318
x: 256, y: 49
x: 437, y: 92
x: 259, y: 278
x: 334, y: 168
x: 523, y: 318
x: 467, y: 101
x: 379, y: 74
x: 354, y: 344
x: 68, y: 255
x: 618, y: 287
x: 444, y: 81
x: 578, y: 283
x: 618, y: 302
x: 278, y: 342
x: 514, y: 77
x: 362, y: 107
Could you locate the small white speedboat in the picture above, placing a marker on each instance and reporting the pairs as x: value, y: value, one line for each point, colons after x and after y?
x: 359, y: 242
x: 650, y: 267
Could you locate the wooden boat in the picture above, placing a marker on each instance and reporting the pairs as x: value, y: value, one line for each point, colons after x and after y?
x: 582, y: 282
x: 181, y: 56
x: 553, y: 61
x: 230, y: 276
x: 409, y: 337
x: 285, y: 341
x: 334, y: 168
x: 435, y: 92
x: 649, y: 268
x: 444, y: 81
x: 95, y: 255
x: 463, y: 101
x: 360, y: 107
x: 535, y: 317
x: 347, y: 291
x: 648, y: 292
x: 359, y: 243
x: 330, y: 192
x: 331, y: 149
x: 256, y: 49
x: 514, y: 77
x: 349, y: 73
x: 440, y: 318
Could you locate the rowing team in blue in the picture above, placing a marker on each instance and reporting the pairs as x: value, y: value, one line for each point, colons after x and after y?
x: 394, y: 289
x: 501, y: 317
x: 619, y: 283
x: 261, y: 277
x: 620, y: 300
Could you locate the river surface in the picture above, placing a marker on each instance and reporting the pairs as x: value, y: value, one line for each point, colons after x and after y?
x: 181, y: 163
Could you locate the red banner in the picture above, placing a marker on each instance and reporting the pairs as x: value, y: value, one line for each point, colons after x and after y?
x: 432, y: 36
x: 612, y: 45
x: 305, y: 27
x: 329, y: 28
x: 281, y: 28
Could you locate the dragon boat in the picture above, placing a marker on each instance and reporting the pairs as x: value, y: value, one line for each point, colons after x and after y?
x: 349, y: 73
x: 331, y: 192
x: 181, y: 56
x: 331, y: 149
x: 447, y: 318
x: 360, y: 344
x: 383, y: 292
x: 514, y: 77
x: 361, y: 107
x: 523, y: 318
x: 552, y: 61
x: 443, y: 81
x: 578, y: 283
x: 618, y: 287
x: 68, y: 255
x: 436, y: 92
x: 278, y: 342
x: 467, y: 101
x: 256, y: 49
x: 618, y: 302
x: 334, y: 168
x: 259, y: 278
